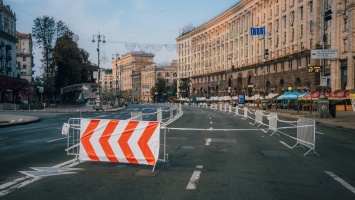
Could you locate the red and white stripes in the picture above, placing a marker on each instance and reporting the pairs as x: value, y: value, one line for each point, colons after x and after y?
x: 135, y: 142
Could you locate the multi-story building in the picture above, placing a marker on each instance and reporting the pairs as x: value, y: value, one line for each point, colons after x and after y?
x: 8, y: 42
x: 151, y: 73
x: 107, y: 90
x: 224, y: 48
x: 24, y: 56
x: 127, y: 72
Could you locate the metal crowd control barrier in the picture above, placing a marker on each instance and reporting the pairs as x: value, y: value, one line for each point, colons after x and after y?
x: 258, y: 117
x: 136, y: 116
x: 245, y: 116
x: 159, y: 115
x: 272, y: 123
x: 305, y: 127
x: 72, y: 130
x: 230, y: 109
x: 306, y: 134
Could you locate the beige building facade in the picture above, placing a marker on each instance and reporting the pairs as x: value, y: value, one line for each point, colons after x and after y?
x: 223, y: 48
x: 127, y: 74
x: 134, y: 76
x: 150, y: 74
x: 24, y: 56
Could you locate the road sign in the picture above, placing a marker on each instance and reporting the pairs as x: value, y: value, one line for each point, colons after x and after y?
x: 257, y: 31
x: 323, y: 81
x: 313, y: 69
x: 324, y: 53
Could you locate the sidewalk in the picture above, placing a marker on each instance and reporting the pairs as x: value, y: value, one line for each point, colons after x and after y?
x: 344, y: 119
x: 10, y: 119
x: 15, y: 118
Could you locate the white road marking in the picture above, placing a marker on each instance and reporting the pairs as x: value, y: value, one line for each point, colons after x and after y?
x: 320, y: 133
x: 194, y: 178
x: 5, y: 185
x: 57, y: 139
x: 21, y: 182
x: 48, y: 171
x: 341, y: 181
x: 288, y: 146
x: 211, y: 122
x: 208, y: 141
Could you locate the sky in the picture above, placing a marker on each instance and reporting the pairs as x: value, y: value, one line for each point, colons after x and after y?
x: 122, y: 22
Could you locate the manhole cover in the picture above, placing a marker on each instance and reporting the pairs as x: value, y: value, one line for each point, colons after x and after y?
x: 274, y: 153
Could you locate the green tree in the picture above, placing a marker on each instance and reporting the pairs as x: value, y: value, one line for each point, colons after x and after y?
x: 68, y: 62
x: 160, y: 87
x: 184, y: 87
x: 45, y: 32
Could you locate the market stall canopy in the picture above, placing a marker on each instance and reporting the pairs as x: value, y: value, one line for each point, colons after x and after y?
x: 200, y: 98
x: 225, y: 98
x: 183, y: 99
x: 257, y: 97
x: 314, y: 95
x: 339, y: 95
x: 271, y: 95
x: 291, y: 95
x: 335, y: 95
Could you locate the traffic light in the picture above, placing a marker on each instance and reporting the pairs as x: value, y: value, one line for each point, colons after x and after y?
x: 327, y: 15
x: 266, y: 52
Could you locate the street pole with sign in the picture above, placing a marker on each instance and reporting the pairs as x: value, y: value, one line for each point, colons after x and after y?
x: 40, y: 90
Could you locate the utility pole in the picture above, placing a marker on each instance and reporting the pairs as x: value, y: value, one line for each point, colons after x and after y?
x: 115, y: 57
x: 98, y: 101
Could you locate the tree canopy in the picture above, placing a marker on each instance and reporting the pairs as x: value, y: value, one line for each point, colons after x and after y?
x: 64, y: 63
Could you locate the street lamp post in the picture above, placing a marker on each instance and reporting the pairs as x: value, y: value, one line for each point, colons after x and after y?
x: 230, y: 56
x: 100, y: 38
x: 116, y: 57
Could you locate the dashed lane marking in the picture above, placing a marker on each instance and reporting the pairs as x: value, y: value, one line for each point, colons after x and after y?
x: 194, y: 178
x: 341, y: 181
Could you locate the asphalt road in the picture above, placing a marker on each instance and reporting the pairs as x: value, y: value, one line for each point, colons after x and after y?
x: 207, y: 161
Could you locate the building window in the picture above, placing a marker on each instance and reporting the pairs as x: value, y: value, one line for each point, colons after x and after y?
x: 24, y: 66
x: 23, y: 58
x: 301, y: 12
x: 301, y: 31
x: 277, y: 25
x: 345, y: 23
x: 345, y: 45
